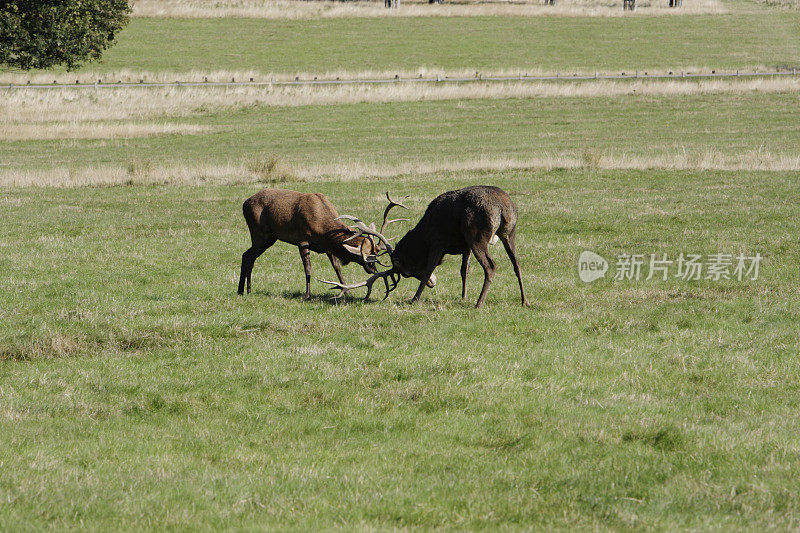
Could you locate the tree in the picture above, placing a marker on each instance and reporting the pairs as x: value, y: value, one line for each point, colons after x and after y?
x: 44, y: 33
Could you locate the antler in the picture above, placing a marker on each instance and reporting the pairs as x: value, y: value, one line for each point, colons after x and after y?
x: 363, y: 229
x: 393, y: 278
x: 392, y: 203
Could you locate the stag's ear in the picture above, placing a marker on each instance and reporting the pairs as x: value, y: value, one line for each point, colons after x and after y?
x: 352, y: 249
x: 367, y: 247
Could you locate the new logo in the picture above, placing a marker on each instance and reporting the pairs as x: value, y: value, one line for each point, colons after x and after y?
x: 591, y: 266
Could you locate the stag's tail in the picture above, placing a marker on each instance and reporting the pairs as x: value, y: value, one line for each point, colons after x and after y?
x: 508, y: 215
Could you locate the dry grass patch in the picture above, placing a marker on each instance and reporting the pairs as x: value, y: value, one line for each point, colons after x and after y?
x: 786, y: 4
x: 47, y: 106
x: 53, y: 347
x: 288, y: 9
x: 590, y: 157
x: 13, y: 414
x: 59, y: 345
x: 94, y: 130
x: 263, y: 170
x: 270, y: 168
x: 142, y: 171
x: 21, y: 79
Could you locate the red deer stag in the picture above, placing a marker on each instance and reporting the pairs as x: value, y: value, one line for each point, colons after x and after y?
x: 460, y: 222
x: 309, y: 221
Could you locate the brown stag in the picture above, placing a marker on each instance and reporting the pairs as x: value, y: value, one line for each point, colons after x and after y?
x: 309, y: 221
x: 462, y: 222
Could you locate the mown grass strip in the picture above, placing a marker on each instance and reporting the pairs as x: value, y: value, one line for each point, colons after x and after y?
x: 682, y: 129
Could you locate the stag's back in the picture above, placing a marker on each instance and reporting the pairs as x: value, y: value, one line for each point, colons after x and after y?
x: 482, y: 207
x: 290, y: 216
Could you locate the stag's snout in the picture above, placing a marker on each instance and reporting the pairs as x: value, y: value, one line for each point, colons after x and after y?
x: 369, y: 267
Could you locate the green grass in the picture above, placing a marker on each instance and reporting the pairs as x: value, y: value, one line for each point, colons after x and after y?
x: 392, y: 133
x: 485, y: 43
x: 137, y: 391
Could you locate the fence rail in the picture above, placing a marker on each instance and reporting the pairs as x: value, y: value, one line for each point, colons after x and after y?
x: 438, y: 79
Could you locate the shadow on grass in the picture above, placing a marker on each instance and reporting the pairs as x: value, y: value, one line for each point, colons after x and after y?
x: 323, y: 297
x: 328, y: 298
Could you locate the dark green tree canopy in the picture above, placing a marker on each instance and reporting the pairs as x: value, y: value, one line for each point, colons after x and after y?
x: 46, y: 33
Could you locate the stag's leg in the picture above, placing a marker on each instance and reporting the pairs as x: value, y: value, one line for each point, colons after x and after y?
x: 305, y: 255
x: 433, y: 262
x: 337, y: 266
x: 481, y: 251
x: 249, y: 258
x: 511, y: 250
x: 464, y: 271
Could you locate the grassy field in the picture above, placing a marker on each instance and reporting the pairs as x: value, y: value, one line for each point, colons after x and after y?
x: 489, y: 44
x: 138, y: 391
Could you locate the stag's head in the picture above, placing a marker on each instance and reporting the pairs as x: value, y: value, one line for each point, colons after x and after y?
x: 361, y: 249
x: 410, y: 260
x: 397, y: 265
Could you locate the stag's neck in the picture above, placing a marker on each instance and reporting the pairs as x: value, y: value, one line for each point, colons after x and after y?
x: 339, y: 232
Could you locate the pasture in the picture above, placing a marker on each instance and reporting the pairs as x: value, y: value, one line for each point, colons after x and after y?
x: 190, y: 49
x: 138, y: 388
x: 139, y: 392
